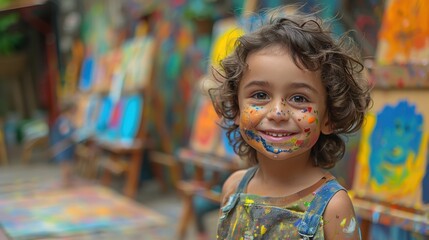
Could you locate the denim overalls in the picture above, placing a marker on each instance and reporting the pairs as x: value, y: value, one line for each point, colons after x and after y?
x: 298, y: 216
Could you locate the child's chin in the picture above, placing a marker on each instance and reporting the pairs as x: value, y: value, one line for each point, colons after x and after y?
x: 279, y: 156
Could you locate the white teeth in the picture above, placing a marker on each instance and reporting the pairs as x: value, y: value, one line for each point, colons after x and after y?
x: 278, y: 134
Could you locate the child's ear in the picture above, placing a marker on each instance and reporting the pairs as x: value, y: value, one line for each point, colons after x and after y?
x: 326, y: 127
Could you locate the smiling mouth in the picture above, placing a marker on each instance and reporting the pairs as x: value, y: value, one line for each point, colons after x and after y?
x: 276, y: 134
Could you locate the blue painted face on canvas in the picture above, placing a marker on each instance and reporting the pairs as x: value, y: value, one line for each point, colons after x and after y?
x: 397, y: 136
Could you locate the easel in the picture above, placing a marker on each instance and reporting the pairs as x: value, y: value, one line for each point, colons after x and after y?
x: 134, y: 150
x: 125, y: 155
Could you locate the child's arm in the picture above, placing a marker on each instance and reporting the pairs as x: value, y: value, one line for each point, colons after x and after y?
x: 339, y: 219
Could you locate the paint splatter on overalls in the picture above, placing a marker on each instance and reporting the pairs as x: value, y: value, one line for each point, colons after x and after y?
x: 298, y: 216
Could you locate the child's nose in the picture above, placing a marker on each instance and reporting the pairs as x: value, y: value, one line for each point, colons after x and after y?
x: 279, y: 112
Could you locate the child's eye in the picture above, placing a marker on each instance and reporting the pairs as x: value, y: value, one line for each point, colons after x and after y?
x: 299, y: 99
x: 260, y: 95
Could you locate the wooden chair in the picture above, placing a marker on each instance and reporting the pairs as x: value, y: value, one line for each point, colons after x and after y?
x: 36, y: 136
x: 125, y: 150
x: 199, y: 184
x: 94, y: 114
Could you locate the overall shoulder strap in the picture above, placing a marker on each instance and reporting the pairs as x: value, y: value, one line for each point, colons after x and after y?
x: 311, y: 220
x: 233, y: 199
x: 246, y: 178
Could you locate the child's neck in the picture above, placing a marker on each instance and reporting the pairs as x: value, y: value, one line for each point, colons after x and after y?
x: 281, y: 178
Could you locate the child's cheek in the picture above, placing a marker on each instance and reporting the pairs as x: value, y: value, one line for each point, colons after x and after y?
x: 308, y: 119
x: 251, y: 116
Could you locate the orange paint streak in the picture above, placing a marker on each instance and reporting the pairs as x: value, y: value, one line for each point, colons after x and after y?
x: 311, y: 119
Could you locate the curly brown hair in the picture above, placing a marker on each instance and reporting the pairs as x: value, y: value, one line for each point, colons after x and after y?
x: 312, y: 47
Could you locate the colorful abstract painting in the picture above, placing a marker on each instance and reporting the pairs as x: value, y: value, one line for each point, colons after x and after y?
x: 392, y: 158
x: 404, y: 33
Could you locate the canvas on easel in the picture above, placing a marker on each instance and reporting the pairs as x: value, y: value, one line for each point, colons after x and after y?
x: 404, y: 34
x: 205, y: 133
x: 392, y: 159
x: 225, y: 33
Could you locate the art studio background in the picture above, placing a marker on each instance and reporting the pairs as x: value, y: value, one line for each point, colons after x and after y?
x: 135, y: 69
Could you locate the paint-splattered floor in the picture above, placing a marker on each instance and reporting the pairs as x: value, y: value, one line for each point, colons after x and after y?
x: 150, y: 196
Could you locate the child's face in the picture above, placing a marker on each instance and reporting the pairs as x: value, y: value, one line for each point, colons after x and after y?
x: 282, y: 107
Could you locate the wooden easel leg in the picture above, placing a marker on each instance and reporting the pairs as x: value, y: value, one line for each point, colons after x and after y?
x: 106, y: 179
x: 3, y: 152
x: 365, y: 228
x: 133, y: 173
x: 176, y: 174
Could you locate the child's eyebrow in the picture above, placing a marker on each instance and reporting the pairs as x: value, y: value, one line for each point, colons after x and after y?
x: 257, y: 83
x: 297, y: 85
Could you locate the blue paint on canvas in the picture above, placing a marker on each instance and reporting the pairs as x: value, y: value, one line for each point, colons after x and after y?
x: 397, y: 133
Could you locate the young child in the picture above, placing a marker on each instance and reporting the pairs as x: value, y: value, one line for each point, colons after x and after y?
x: 61, y: 138
x: 290, y: 90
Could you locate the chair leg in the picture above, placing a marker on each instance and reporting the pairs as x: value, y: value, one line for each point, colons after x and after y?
x: 159, y: 175
x: 106, y: 178
x: 186, y: 216
x: 133, y: 173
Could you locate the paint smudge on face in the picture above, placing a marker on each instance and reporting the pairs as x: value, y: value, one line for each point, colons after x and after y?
x: 256, y: 107
x: 311, y: 119
x: 267, y: 147
x: 307, y: 109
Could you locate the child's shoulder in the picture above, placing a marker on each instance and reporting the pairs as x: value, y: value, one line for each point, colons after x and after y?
x: 231, y: 184
x: 339, y: 203
x: 340, y: 214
